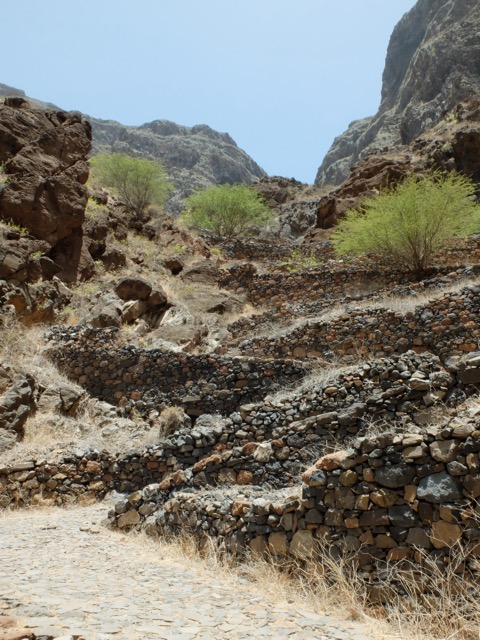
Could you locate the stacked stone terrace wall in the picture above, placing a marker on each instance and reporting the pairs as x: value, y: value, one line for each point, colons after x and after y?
x: 277, y: 250
x: 446, y: 326
x: 263, y: 445
x: 262, y: 250
x: 324, y: 284
x: 154, y: 377
x: 282, y: 314
x: 388, y: 499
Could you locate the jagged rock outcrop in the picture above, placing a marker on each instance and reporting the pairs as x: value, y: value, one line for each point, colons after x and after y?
x: 6, y: 90
x: 452, y: 144
x: 28, y: 286
x: 432, y: 63
x: 194, y: 157
x: 44, y: 155
x: 294, y: 202
x: 16, y: 404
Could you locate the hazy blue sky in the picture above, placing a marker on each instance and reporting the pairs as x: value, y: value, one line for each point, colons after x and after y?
x: 283, y: 78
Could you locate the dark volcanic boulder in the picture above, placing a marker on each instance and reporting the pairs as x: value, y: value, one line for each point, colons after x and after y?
x: 45, y: 158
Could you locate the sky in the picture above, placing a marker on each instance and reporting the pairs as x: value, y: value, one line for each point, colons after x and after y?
x: 283, y: 78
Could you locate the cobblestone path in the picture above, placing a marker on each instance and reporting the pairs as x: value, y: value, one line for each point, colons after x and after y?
x: 61, y: 573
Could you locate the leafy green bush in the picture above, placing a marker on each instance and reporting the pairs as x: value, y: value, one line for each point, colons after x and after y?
x: 138, y: 181
x: 409, y: 224
x: 227, y: 211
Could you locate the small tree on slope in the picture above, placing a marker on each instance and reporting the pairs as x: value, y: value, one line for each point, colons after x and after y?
x: 227, y: 211
x: 408, y: 224
x: 138, y: 181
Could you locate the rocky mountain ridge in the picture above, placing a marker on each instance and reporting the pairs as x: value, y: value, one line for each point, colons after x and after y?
x: 432, y: 63
x: 194, y: 157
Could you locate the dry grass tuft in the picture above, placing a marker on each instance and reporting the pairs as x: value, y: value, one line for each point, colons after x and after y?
x: 323, y: 374
x: 170, y: 420
x: 438, y: 601
x: 330, y: 584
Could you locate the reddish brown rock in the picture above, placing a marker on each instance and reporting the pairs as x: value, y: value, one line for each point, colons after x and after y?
x: 45, y: 158
x: 244, y: 477
x: 133, y: 289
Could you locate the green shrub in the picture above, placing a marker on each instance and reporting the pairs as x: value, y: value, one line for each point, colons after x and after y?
x: 227, y: 211
x: 138, y: 181
x: 409, y: 224
x: 300, y: 259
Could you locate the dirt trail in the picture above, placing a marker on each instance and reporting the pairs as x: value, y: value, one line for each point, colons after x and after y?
x: 63, y: 573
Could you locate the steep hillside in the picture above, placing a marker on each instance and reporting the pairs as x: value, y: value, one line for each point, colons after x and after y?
x: 432, y: 63
x: 452, y: 144
x: 195, y: 157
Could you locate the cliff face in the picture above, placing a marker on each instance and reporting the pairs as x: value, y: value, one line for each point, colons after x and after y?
x: 452, y: 144
x: 44, y: 154
x: 432, y: 63
x: 194, y: 157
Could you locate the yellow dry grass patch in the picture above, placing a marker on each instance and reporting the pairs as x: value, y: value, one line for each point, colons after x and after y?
x: 331, y: 585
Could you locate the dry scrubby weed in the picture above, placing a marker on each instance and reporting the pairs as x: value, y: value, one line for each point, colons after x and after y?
x: 171, y: 419
x: 330, y: 583
x: 325, y: 586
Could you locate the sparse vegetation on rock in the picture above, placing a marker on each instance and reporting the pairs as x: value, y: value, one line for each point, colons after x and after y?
x: 407, y: 225
x: 227, y: 211
x: 138, y: 181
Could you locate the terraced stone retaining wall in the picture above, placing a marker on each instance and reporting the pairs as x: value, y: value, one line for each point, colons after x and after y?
x: 283, y: 313
x: 447, y: 326
x: 238, y: 249
x: 154, y: 378
x: 268, y: 444
x: 277, y: 250
x: 324, y: 284
x: 388, y: 499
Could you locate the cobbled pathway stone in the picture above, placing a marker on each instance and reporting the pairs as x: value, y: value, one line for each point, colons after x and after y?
x: 62, y: 573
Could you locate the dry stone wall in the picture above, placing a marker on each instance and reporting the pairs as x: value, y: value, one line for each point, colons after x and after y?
x: 389, y: 499
x: 325, y: 284
x: 281, y: 316
x: 154, y: 378
x: 446, y: 326
x: 273, y: 250
x: 251, y: 250
x: 408, y: 494
x: 268, y: 444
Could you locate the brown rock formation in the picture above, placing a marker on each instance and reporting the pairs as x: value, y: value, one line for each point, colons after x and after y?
x: 453, y: 144
x: 44, y: 154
